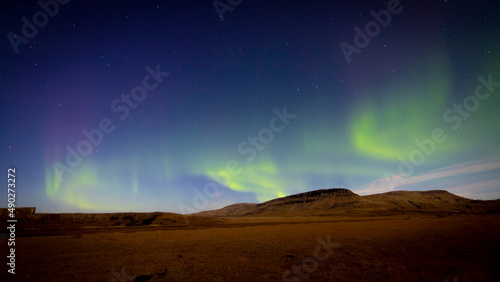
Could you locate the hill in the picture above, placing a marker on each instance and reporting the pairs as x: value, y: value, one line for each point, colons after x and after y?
x: 325, y: 202
x: 339, y: 201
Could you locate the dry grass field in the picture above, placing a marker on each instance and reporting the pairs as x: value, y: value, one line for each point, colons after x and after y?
x: 323, y: 235
x: 399, y: 248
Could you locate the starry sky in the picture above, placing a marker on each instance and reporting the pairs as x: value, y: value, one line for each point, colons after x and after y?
x: 185, y: 106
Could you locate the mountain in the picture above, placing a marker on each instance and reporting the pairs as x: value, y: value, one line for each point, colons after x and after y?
x: 30, y: 223
x: 325, y: 202
x: 4, y: 212
x: 339, y: 201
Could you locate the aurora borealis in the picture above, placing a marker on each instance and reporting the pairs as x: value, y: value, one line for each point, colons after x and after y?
x: 213, y: 131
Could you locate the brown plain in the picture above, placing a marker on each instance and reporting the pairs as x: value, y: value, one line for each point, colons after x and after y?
x: 403, y: 236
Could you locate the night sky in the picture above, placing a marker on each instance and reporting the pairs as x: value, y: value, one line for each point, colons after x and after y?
x: 183, y: 106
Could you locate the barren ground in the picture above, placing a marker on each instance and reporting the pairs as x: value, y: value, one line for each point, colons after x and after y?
x: 413, y: 248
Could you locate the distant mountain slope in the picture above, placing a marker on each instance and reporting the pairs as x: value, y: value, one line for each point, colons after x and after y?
x: 325, y: 202
x: 30, y: 222
x: 4, y: 212
x: 339, y: 201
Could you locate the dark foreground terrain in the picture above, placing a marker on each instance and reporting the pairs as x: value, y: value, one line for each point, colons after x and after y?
x: 324, y: 235
x: 420, y: 248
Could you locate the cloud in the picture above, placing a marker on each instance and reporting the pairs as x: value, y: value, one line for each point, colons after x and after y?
x: 482, y: 186
x: 380, y: 185
x: 392, y: 183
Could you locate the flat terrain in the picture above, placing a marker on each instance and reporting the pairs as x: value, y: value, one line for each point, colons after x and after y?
x: 400, y: 248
